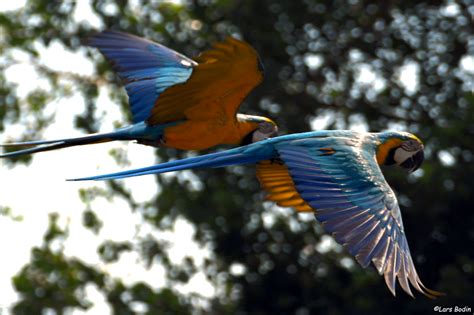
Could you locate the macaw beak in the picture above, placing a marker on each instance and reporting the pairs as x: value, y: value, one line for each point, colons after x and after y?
x: 413, y: 163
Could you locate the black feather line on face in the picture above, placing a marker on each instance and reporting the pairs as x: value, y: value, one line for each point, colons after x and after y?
x: 414, y: 162
x: 410, y: 145
x: 390, y: 159
x: 248, y: 139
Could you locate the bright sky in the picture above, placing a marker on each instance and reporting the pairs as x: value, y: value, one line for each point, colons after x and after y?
x: 38, y: 189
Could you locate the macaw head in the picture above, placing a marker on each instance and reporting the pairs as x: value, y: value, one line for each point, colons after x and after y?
x: 261, y: 128
x: 402, y: 149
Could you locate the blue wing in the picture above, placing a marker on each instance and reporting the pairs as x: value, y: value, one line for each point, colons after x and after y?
x: 147, y: 68
x: 343, y: 183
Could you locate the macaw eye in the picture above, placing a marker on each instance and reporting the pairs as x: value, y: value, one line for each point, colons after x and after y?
x: 267, y: 128
x: 411, y: 145
x: 264, y: 127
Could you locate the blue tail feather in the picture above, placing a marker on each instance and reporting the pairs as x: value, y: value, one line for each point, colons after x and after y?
x: 242, y: 155
x: 49, y: 145
x: 138, y: 131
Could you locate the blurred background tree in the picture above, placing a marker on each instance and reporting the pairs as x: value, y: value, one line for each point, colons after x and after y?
x: 371, y: 65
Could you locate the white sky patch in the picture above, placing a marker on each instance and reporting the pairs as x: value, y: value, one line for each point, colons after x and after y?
x: 135, y: 6
x: 111, y: 9
x: 139, y: 307
x: 467, y: 64
x: 32, y: 192
x: 18, y: 55
x: 313, y: 61
x: 186, y: 232
x: 195, y: 25
x: 269, y: 219
x: 327, y: 244
x: 408, y: 77
x: 21, y: 71
x: 367, y: 80
x: 446, y: 158
x: 294, y: 224
x: 321, y: 121
x: 396, y: 126
x: 306, y: 217
x: 237, y: 269
x: 83, y: 13
x: 198, y: 284
x: 173, y: 1
x: 357, y: 122
x: 366, y: 75
x: 273, y: 212
x: 347, y: 263
x: 132, y: 270
x: 184, y: 246
x: 100, y: 306
x: 355, y: 56
x: 75, y: 62
x: 192, y: 181
x: 40, y: 188
x: 11, y: 5
x: 18, y: 250
x: 466, y: 72
x: 451, y: 9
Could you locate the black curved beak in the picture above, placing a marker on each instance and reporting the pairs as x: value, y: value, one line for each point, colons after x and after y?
x: 413, y: 163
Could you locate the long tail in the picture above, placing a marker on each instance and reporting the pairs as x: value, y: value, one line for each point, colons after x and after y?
x: 49, y: 145
x: 139, y: 131
x: 243, y: 155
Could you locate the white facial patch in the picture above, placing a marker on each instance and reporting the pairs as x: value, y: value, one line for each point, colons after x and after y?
x: 401, y: 155
x: 265, y: 130
x: 259, y: 136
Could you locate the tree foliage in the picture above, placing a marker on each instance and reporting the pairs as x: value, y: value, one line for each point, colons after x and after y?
x: 338, y: 60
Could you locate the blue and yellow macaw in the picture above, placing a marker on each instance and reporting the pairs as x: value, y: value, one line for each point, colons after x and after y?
x: 336, y: 174
x: 176, y: 101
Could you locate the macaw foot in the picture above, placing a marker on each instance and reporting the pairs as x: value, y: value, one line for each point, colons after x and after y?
x: 152, y: 143
x: 277, y: 160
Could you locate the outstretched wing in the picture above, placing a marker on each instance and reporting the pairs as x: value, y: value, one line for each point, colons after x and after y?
x: 343, y: 183
x: 219, y: 83
x: 146, y: 68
